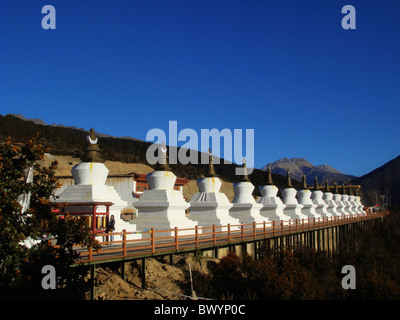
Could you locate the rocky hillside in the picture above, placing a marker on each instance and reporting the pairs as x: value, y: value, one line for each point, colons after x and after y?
x: 298, y: 166
x: 164, y: 281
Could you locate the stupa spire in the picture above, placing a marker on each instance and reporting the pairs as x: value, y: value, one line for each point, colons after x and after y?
x: 92, y: 152
x: 162, y: 164
x: 211, y: 170
x: 336, y: 191
x: 303, y: 182
x: 327, y: 186
x: 316, y: 186
x: 269, y: 176
x: 245, y: 177
x: 288, y: 180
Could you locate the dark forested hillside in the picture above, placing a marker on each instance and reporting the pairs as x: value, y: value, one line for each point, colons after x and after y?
x: 69, y: 141
x: 384, y: 180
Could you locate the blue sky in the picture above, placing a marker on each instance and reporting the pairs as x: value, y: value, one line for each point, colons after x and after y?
x: 286, y: 69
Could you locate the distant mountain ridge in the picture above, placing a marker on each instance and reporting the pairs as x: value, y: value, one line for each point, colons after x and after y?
x: 327, y: 167
x: 298, y: 166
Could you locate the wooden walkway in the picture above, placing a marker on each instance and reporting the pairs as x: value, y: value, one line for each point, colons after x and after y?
x: 155, y: 243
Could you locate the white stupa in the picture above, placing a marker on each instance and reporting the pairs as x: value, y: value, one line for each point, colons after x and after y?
x: 304, y: 199
x: 331, y: 205
x: 359, y: 205
x: 337, y: 197
x: 209, y: 206
x: 345, y: 200
x: 292, y: 207
x: 317, y: 198
x: 244, y: 206
x: 161, y: 207
x: 272, y: 205
x: 90, y: 177
x: 352, y: 201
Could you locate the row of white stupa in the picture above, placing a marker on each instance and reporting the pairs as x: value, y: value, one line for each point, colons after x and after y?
x: 163, y: 208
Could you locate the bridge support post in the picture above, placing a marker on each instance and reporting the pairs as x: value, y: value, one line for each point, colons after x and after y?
x: 123, y: 270
x: 143, y: 274
x: 291, y: 242
x: 92, y: 281
x: 336, y: 239
x: 313, y: 240
x: 328, y: 240
x: 244, y: 247
x: 305, y: 239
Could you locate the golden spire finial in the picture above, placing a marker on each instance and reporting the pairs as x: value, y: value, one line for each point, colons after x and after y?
x: 162, y: 164
x: 304, y: 182
x: 211, y: 170
x: 316, y: 186
x: 327, y: 186
x: 245, y: 177
x: 92, y: 152
x: 288, y: 180
x: 92, y: 137
x: 335, y: 187
x: 269, y: 176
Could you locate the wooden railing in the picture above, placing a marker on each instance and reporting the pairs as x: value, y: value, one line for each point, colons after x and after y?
x: 174, y: 240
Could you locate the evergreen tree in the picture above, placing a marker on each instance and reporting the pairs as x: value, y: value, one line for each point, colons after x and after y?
x: 26, y: 214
